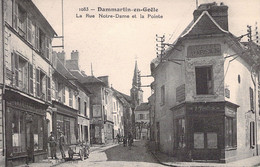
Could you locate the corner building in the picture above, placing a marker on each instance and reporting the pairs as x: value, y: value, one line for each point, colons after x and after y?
x: 206, y: 104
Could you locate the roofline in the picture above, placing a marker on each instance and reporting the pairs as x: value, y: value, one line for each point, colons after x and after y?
x: 203, y: 13
x: 40, y: 13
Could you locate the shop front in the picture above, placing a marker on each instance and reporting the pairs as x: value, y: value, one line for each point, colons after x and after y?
x: 26, y: 129
x: 205, y: 131
x: 65, y: 120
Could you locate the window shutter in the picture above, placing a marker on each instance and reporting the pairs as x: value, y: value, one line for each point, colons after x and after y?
x: 47, y: 50
x: 234, y: 132
x: 37, y: 82
x: 29, y: 30
x: 37, y: 42
x: 16, y: 69
x: 30, y: 78
x: 15, y: 15
x: 48, y: 89
x: 251, y: 98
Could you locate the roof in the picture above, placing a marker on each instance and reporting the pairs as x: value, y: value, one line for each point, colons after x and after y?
x: 126, y: 97
x: 91, y: 80
x: 31, y: 5
x: 143, y: 107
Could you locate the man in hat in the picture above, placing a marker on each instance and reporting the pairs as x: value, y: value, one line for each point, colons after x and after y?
x: 62, y: 144
x: 52, y: 142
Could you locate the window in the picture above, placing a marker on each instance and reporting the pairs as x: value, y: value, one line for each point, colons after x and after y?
x: 18, y: 131
x: 22, y: 24
x: 79, y: 110
x: 70, y: 98
x: 230, y: 132
x: 251, y: 94
x: 204, y: 83
x: 115, y: 121
x: 180, y: 128
x: 20, y: 70
x: 252, y: 134
x: 163, y: 95
x: 141, y: 116
x: 85, y: 108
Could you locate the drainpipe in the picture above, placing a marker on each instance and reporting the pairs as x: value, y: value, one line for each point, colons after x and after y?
x: 3, y: 92
x: 256, y: 122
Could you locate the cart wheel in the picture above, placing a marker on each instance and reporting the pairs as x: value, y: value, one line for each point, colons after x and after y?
x: 81, y: 155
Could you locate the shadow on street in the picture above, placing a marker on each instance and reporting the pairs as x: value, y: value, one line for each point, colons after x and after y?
x: 138, y: 153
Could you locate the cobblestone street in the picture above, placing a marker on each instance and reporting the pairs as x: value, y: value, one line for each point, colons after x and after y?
x: 118, y: 156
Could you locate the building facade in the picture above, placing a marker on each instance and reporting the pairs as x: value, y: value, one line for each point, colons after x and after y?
x: 142, y: 121
x: 199, y: 111
x: 27, y: 77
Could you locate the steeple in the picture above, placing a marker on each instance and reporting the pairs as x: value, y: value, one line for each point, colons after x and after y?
x: 136, y: 78
x: 136, y: 91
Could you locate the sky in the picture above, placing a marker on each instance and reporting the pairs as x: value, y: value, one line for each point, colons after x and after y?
x: 113, y: 45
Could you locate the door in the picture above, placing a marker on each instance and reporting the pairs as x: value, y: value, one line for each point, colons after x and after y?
x: 29, y: 141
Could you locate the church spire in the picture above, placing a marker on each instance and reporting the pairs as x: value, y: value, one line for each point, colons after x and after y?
x: 136, y: 78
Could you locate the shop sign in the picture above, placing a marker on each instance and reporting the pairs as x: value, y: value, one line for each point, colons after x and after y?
x: 204, y: 50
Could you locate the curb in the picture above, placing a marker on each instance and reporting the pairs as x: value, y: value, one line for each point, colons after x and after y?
x: 160, y: 162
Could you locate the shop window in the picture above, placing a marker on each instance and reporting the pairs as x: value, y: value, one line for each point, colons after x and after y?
x: 204, y: 80
x: 180, y: 134
x: 230, y: 132
x: 163, y: 95
x: 70, y: 98
x: 198, y: 140
x: 252, y: 134
x: 18, y: 132
x: 38, y: 132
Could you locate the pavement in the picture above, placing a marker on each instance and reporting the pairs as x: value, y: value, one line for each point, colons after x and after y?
x: 172, y: 161
x: 55, y: 162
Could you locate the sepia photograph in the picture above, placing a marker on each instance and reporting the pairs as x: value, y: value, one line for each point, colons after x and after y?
x: 112, y: 83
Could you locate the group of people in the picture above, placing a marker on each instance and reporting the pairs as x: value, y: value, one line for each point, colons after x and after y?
x: 127, y: 140
x: 53, y: 142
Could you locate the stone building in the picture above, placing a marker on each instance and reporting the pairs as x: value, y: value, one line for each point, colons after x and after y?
x: 206, y: 104
x: 25, y: 87
x: 142, y: 121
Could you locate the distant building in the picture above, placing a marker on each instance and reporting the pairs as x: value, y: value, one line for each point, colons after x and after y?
x: 206, y: 105
x: 142, y: 121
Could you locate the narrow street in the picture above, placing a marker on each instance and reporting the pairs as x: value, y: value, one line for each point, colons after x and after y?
x: 118, y: 156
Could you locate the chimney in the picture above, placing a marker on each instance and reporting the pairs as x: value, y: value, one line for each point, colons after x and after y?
x: 218, y: 12
x: 61, y: 57
x: 75, y: 55
x: 73, y: 63
x: 104, y: 79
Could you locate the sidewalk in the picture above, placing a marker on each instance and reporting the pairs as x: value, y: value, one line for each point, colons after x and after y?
x: 53, y: 162
x: 172, y: 161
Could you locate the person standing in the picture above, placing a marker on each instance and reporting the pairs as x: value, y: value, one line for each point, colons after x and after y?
x: 62, y: 145
x: 52, y: 142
